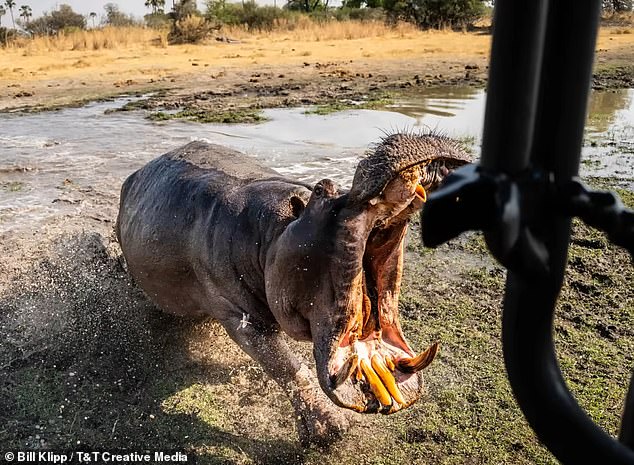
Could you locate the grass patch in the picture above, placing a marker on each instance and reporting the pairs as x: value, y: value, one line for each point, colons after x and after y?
x: 334, y: 107
x: 13, y: 186
x: 203, y: 116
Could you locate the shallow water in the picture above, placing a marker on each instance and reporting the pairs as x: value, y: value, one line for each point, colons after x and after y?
x: 43, y: 155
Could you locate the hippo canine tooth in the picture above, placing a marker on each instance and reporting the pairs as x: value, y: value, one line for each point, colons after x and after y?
x: 388, y: 379
x: 421, y: 192
x: 376, y: 386
x: 346, y: 370
x: 421, y: 361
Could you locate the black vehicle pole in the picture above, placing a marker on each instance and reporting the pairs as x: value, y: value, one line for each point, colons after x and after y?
x: 542, y: 140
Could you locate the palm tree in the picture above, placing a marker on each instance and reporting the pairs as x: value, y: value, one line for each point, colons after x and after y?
x: 93, y: 15
x: 26, y: 12
x: 2, y: 13
x: 10, y: 4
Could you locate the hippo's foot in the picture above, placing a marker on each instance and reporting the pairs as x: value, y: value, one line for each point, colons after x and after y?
x: 319, y: 422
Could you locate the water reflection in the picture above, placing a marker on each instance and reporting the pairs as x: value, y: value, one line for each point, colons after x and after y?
x: 456, y: 111
x: 604, y: 109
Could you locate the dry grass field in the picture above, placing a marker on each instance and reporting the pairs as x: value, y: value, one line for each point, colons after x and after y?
x: 100, y: 63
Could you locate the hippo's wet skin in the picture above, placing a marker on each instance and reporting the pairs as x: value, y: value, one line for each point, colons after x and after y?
x: 205, y: 230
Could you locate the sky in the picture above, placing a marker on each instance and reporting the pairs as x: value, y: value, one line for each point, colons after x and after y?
x: 134, y: 7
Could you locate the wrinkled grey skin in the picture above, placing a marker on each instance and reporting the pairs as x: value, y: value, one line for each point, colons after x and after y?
x: 206, y: 231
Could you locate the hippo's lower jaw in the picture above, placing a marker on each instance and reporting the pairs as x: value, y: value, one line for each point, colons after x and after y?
x: 378, y: 378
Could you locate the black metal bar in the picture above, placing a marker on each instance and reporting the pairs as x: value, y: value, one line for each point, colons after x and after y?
x: 523, y: 197
x: 530, y: 298
x: 516, y: 55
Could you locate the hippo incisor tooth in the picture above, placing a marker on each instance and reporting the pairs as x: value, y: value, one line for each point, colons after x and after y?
x: 387, y: 378
x: 422, y: 193
x: 377, y: 387
x: 389, y: 363
x: 346, y: 370
x: 414, y: 364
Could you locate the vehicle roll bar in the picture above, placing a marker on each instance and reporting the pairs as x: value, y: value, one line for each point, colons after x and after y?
x: 523, y: 195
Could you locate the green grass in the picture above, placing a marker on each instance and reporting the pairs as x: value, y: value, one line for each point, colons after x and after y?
x: 12, y: 186
x: 334, y: 107
x: 203, y: 116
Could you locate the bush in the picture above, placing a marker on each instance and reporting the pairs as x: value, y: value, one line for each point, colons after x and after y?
x: 248, y: 14
x: 435, y: 13
x: 190, y: 30
x: 156, y: 20
x: 359, y: 14
x: 7, y: 36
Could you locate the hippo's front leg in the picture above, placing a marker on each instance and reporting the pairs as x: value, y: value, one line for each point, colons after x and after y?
x: 318, y: 420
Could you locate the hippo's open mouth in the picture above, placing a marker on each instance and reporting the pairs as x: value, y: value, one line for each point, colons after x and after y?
x: 373, y: 368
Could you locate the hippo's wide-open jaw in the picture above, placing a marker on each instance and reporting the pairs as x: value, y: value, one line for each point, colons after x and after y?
x: 370, y: 367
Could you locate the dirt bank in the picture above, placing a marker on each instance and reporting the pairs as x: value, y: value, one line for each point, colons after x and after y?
x: 272, y: 70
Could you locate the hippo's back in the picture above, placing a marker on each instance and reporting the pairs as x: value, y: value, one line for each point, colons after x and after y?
x: 185, y: 210
x: 220, y: 160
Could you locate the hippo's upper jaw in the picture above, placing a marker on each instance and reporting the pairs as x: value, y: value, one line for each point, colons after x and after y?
x: 347, y: 253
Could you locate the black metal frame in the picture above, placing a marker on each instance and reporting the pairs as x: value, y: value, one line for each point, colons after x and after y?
x: 524, y: 194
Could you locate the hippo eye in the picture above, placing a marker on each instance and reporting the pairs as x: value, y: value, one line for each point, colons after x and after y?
x: 319, y: 190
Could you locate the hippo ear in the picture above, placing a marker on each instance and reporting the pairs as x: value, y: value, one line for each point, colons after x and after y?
x: 297, y: 206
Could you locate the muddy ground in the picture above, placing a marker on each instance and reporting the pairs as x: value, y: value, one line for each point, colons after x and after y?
x: 87, y: 362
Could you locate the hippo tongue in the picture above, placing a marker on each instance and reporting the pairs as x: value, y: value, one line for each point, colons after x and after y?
x: 396, y: 153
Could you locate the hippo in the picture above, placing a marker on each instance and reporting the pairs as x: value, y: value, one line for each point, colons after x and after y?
x: 206, y: 230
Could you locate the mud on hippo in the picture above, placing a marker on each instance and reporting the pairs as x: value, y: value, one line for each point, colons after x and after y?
x: 205, y: 230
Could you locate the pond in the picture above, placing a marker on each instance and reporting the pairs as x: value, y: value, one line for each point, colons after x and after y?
x: 95, y: 150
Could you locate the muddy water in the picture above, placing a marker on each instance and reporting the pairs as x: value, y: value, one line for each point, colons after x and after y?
x: 74, y: 160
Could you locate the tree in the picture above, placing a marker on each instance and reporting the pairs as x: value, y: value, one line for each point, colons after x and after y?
x: 184, y: 8
x: 306, y: 5
x: 64, y: 17
x: 158, y: 6
x: 93, y: 15
x: 618, y: 5
x: 26, y: 12
x: 435, y: 13
x: 114, y: 17
x: 10, y: 4
x: 2, y: 13
x: 58, y: 20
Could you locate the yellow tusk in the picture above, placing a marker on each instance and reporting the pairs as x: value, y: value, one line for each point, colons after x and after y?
x: 421, y: 361
x: 346, y: 370
x: 421, y: 192
x: 387, y: 378
x: 389, y: 363
x: 375, y: 383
